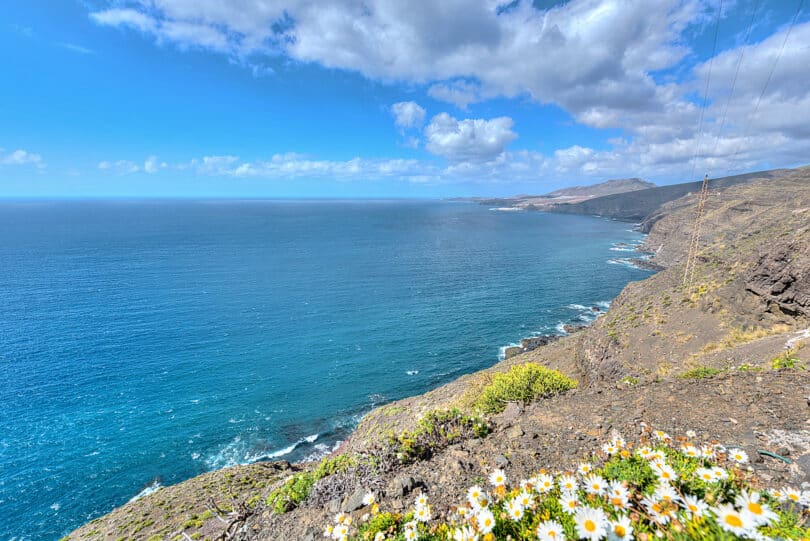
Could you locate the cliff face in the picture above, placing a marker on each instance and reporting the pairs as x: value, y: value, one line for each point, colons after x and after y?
x: 749, y: 300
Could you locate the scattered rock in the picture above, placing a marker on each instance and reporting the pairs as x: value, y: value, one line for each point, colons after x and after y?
x: 354, y: 502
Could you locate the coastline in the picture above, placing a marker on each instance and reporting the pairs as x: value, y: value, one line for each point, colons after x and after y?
x: 632, y: 364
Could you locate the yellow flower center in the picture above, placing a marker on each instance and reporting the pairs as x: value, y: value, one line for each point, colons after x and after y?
x: 693, y: 507
x: 620, y: 530
x: 755, y: 508
x: 590, y: 525
x: 794, y: 497
x: 733, y: 520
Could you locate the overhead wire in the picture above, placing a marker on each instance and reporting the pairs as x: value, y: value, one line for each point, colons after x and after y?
x: 765, y: 86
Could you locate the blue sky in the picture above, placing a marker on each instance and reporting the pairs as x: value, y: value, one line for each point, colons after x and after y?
x: 261, y: 98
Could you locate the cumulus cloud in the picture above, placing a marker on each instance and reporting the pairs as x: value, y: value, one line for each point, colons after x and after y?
x: 599, y: 60
x: 408, y: 114
x: 473, y: 140
x: 152, y: 165
x: 21, y: 157
x: 119, y: 167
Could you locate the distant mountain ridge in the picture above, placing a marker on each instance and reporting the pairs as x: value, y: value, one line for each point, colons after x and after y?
x: 613, y: 186
x: 639, y: 205
x: 574, y: 194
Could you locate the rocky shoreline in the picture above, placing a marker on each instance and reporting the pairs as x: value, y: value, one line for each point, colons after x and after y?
x: 710, y: 358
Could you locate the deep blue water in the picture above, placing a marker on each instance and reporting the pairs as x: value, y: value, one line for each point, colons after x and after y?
x: 152, y: 341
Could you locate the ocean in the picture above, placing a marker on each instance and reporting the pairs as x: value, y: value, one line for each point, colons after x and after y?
x: 145, y: 342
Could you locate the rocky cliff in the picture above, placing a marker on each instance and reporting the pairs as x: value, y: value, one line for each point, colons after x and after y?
x: 722, y: 357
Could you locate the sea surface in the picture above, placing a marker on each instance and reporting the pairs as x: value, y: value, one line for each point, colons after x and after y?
x: 145, y: 342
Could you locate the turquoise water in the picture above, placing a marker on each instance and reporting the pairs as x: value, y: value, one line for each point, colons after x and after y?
x: 145, y: 342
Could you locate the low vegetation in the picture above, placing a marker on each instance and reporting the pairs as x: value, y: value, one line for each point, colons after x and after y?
x: 655, y: 490
x: 522, y: 383
x: 701, y: 372
x: 435, y: 431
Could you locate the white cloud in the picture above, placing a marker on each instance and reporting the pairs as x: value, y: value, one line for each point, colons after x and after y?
x: 459, y: 93
x: 21, y: 157
x: 125, y: 17
x: 119, y: 167
x: 469, y: 140
x: 608, y: 63
x: 76, y: 48
x: 408, y: 114
x: 153, y: 165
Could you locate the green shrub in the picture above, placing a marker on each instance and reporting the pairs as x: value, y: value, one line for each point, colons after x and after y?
x: 297, y: 487
x: 523, y: 383
x: 788, y: 359
x: 435, y: 431
x: 701, y: 372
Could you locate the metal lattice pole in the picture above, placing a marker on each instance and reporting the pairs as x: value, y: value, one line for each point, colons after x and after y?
x: 694, y: 243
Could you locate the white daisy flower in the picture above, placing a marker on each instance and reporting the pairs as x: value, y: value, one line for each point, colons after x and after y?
x: 569, y: 503
x: 594, y: 484
x: 619, y: 442
x: 585, y: 468
x: 690, y: 451
x: 525, y: 499
x: 719, y: 473
x: 497, y: 478
x: 591, y: 523
x: 610, y: 449
x: 485, y: 520
x: 545, y: 483
x: 421, y: 501
x: 369, y: 498
x: 327, y: 532
x: 474, y: 496
x: 707, y: 451
x: 738, y: 455
x: 694, y: 506
x: 618, y: 495
x: 464, y: 533
x: 568, y: 483
x: 340, y: 518
x: 665, y: 493
x: 411, y: 534
x: 792, y: 495
x: 706, y: 474
x: 422, y: 513
x: 691, y: 434
x: 621, y: 529
x: 379, y: 536
x: 656, y: 510
x: 515, y: 510
x: 660, y: 435
x: 733, y: 521
x: 550, y: 530
x: 664, y: 471
x: 758, y: 511
x: 341, y: 531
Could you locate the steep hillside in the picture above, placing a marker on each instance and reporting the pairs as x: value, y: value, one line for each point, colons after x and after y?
x: 568, y: 195
x: 637, y: 205
x: 613, y: 186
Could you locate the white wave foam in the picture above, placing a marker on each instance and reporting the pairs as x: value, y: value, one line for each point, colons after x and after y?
x: 577, y: 307
x: 560, y: 328
x: 238, y: 452
x: 150, y: 488
x: 603, y: 304
x: 412, y: 372
x: 56, y: 506
x: 322, y: 451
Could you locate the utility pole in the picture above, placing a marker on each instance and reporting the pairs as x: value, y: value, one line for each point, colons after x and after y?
x: 694, y: 244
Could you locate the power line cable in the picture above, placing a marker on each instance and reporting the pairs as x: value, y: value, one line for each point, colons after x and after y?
x: 765, y: 87
x: 736, y: 74
x: 706, y: 90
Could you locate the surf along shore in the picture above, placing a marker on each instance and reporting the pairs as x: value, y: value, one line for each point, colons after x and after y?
x: 711, y: 358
